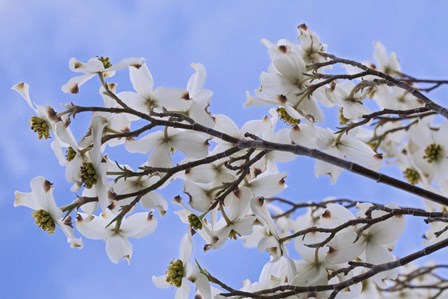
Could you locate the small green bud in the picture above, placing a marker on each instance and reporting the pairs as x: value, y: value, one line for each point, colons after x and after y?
x: 44, y: 220
x: 411, y: 175
x: 40, y: 126
x: 175, y: 273
x: 286, y: 118
x: 105, y: 61
x: 88, y: 175
x: 234, y: 234
x: 71, y: 154
x: 194, y: 221
x: 433, y: 152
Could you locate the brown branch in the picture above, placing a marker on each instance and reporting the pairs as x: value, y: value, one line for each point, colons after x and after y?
x: 399, y: 83
x: 347, y: 165
x: 290, y: 290
x: 374, y: 115
x: 347, y: 203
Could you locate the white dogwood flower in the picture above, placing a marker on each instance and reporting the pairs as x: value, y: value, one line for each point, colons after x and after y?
x: 180, y: 272
x: 345, y: 146
x: 94, y: 67
x: 46, y: 213
x: 138, y: 226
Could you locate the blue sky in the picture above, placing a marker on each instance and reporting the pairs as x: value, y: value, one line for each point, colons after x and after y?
x: 39, y: 37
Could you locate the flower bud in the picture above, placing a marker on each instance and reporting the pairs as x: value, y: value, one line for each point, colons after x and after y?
x: 40, y: 126
x: 44, y: 220
x: 175, y: 273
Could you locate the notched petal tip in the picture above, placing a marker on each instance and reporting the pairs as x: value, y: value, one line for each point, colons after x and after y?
x: 47, y: 186
x: 326, y: 214
x: 74, y: 89
x: 20, y: 87
x: 17, y: 195
x: 378, y: 156
x: 303, y: 27
x: 282, y: 181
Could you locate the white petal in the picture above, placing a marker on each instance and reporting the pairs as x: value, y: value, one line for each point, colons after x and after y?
x: 94, y: 65
x: 136, y: 102
x: 310, y: 274
x: 40, y: 197
x: 73, y: 169
x: 201, y: 174
x: 256, y: 127
x: 183, y: 291
x: 142, y: 81
x: 183, y: 215
x: 160, y: 282
x: 377, y: 254
x: 244, y: 226
x: 359, y: 152
x: 261, y: 211
x: 199, y: 199
x: 342, y: 248
x: 311, y: 254
x: 24, y: 90
x: 335, y: 215
x: 133, y: 62
x: 380, y: 55
x: 118, y: 247
x: 305, y: 135
x: 68, y: 231
x: 324, y: 168
x: 145, y: 144
x: 161, y: 156
x: 138, y: 225
x: 388, y: 231
x: 194, y: 145
x: 154, y: 200
x: 238, y: 203
x: 172, y: 98
x: 196, y: 81
x: 198, y: 111
x: 225, y: 124
x: 203, y: 286
x: 268, y: 185
x: 186, y: 247
x: 92, y: 227
x: 72, y: 86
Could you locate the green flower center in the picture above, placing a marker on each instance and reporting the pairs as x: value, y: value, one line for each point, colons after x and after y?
x: 44, y: 220
x: 194, y: 221
x: 88, y: 175
x: 70, y: 153
x: 105, y: 61
x: 175, y: 273
x: 40, y: 126
x: 433, y: 152
x: 234, y: 234
x: 411, y: 175
x: 286, y: 118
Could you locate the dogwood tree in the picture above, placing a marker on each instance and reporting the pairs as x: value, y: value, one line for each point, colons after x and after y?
x: 361, y: 117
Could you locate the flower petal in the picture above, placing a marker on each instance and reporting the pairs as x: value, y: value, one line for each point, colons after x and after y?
x: 92, y: 227
x: 139, y: 225
x: 118, y: 247
x: 142, y: 80
x: 160, y: 282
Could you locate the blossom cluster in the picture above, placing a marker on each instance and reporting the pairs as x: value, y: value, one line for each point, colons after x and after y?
x: 231, y: 175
